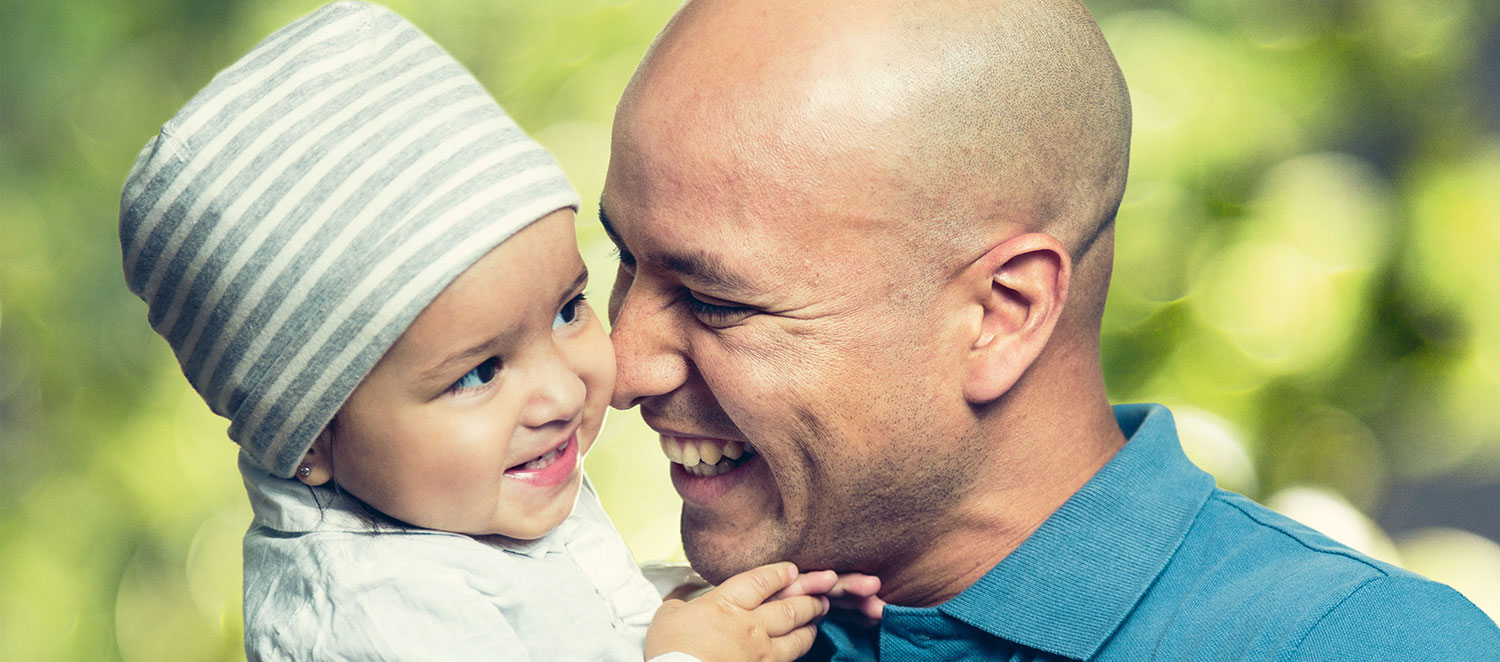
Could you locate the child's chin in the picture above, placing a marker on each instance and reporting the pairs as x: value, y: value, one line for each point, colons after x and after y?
x: 541, y: 520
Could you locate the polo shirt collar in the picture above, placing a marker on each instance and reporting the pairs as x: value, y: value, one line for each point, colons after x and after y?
x: 1068, y: 587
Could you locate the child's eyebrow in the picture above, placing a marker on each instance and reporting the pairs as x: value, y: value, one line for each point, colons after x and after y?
x: 471, y: 356
x: 578, y: 283
x: 442, y: 370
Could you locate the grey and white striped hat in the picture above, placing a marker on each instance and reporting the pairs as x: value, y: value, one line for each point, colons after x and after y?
x: 290, y: 222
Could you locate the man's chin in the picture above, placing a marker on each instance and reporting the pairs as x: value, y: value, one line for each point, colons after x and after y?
x: 718, y: 556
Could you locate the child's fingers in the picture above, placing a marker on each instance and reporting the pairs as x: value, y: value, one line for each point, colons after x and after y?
x: 782, y: 616
x: 849, y: 603
x: 856, y: 585
x: 809, y: 583
x: 794, y: 644
x: 864, y: 612
x: 750, y: 588
x: 858, y: 594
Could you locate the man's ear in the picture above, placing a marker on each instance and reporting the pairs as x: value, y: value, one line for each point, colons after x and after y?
x: 316, y: 467
x: 1020, y: 286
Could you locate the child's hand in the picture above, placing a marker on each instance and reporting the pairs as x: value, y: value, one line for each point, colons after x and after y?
x: 739, y: 621
x: 853, y: 595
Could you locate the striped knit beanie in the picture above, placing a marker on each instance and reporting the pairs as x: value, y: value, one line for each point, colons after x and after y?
x: 290, y: 222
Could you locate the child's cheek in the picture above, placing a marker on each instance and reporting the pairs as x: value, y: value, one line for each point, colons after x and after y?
x: 599, y: 378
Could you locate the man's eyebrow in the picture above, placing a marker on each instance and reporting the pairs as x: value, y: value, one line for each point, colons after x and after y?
x: 705, y: 268
x: 609, y: 229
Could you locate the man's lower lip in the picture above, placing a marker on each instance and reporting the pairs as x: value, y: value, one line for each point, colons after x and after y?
x: 553, y: 474
x: 703, y: 490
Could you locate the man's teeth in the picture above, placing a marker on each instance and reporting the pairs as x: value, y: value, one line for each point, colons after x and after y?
x: 703, y: 457
x: 547, y: 459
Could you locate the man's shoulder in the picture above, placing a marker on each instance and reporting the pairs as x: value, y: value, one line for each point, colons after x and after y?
x: 1273, y: 586
x: 1248, y: 552
x: 1263, y: 540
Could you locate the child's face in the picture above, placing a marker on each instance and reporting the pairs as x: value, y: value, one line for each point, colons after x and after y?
x: 477, y: 419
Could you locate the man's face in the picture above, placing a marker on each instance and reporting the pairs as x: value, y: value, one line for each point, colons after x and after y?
x: 773, y: 312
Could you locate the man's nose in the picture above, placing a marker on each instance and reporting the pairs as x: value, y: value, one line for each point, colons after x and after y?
x: 650, y: 350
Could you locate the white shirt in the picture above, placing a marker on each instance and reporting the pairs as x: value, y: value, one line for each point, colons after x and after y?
x: 320, y: 585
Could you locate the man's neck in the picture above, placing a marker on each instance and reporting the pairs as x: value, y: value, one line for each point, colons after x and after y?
x: 1038, y: 467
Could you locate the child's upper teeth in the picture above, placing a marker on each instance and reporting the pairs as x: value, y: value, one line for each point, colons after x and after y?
x: 547, y: 458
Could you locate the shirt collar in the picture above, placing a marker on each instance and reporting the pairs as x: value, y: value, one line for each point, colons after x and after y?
x: 1068, y: 587
x: 288, y: 506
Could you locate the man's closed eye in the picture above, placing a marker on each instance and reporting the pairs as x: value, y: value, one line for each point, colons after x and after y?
x: 715, y: 313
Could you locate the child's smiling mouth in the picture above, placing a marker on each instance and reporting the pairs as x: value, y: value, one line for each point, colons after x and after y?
x: 551, y: 467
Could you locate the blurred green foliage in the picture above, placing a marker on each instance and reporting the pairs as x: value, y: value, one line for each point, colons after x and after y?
x: 1308, y: 260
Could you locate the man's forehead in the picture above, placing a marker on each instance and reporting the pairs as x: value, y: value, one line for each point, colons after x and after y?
x: 772, y: 207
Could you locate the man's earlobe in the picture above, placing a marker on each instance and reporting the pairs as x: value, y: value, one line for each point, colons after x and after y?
x: 1021, y: 286
x: 316, y: 467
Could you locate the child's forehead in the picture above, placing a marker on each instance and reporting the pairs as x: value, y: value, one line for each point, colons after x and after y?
x: 539, y: 259
x: 511, y: 292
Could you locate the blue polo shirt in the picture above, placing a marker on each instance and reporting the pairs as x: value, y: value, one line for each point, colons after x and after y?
x: 1150, y: 561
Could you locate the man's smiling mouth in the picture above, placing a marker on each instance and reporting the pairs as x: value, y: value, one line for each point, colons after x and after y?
x: 706, y: 457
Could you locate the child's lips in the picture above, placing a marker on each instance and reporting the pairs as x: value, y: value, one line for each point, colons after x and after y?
x: 550, y: 468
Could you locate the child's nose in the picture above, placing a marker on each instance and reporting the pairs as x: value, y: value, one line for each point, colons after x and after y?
x: 557, y: 395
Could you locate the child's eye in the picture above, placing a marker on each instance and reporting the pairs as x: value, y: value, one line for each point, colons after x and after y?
x: 569, y: 312
x: 482, y: 374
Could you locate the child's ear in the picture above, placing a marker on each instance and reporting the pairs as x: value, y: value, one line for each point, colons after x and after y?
x: 1017, y: 293
x: 317, y: 465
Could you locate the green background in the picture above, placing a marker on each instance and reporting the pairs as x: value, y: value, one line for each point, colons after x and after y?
x: 1308, y: 272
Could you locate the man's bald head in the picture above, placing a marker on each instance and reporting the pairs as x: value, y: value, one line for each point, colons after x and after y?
x: 993, y: 118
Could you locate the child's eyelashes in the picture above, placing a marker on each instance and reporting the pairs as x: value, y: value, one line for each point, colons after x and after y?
x: 484, y: 373
x: 570, y: 312
x: 481, y: 375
